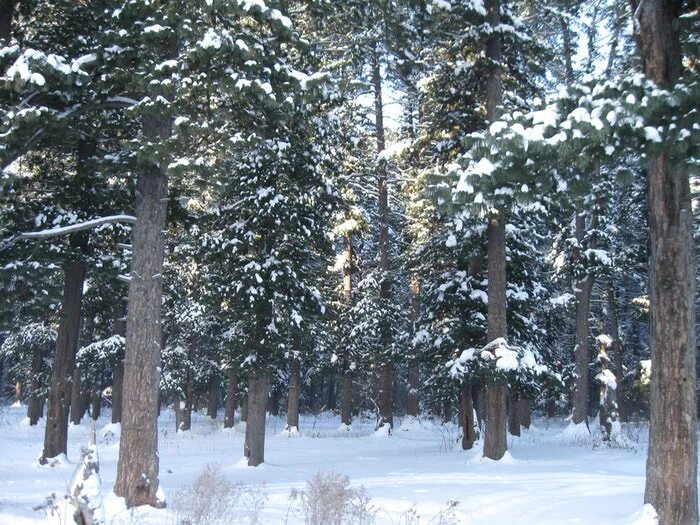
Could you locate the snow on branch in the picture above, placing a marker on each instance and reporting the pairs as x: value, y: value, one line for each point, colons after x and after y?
x: 63, y: 230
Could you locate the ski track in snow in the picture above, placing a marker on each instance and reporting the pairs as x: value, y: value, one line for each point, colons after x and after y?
x: 552, y: 478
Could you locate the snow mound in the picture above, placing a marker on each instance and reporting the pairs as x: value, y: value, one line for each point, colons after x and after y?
x: 645, y: 516
x: 17, y: 404
x: 411, y: 424
x: 291, y: 432
x: 382, y: 432
x: 343, y: 428
x: 575, y: 434
x: 480, y: 459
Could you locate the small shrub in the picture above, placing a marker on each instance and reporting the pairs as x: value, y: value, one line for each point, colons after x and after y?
x: 329, y: 500
x: 210, y: 499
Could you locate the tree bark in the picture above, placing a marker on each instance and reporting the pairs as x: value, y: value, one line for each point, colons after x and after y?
x: 466, y: 417
x: 231, y: 392
x: 34, y: 403
x: 495, y: 445
x: 254, y: 446
x: 495, y: 394
x: 7, y: 8
x: 582, y: 349
x: 671, y: 483
x: 56, y: 434
x: 77, y: 410
x: 294, y: 391
x: 118, y: 369
x: 616, y: 349
x: 213, y: 398
x: 525, y: 416
x: 346, y: 402
x: 137, y: 469
x: 96, y: 403
x: 513, y: 415
x: 186, y: 416
x: 385, y: 391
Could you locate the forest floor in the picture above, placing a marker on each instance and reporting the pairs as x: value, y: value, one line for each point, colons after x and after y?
x: 554, y: 474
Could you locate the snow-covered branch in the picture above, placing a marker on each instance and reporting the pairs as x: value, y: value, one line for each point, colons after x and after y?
x: 63, y: 230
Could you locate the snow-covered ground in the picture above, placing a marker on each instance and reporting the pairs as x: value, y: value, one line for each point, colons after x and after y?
x: 420, y: 475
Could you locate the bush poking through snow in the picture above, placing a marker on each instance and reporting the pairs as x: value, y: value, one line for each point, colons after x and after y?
x: 329, y: 500
x: 211, y: 499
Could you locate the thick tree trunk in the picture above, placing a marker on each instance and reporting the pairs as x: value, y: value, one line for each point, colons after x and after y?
x: 244, y: 411
x: 495, y: 444
x: 413, y: 395
x: 231, y: 392
x: 525, y: 413
x: 185, y: 423
x: 582, y: 349
x: 466, y: 417
x: 254, y: 447
x: 34, y: 402
x: 7, y: 8
x: 346, y: 402
x: 293, y: 398
x: 56, y: 434
x: 96, y: 404
x: 513, y: 415
x: 77, y: 409
x: 137, y: 469
x: 385, y: 391
x: 213, y: 396
x: 671, y: 484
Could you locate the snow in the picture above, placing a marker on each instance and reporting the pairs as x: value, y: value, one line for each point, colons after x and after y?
x: 549, y: 476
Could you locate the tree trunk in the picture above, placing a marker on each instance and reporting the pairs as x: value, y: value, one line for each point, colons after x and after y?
x: 582, y: 349
x: 513, y: 415
x: 213, y: 399
x: 525, y: 414
x: 447, y: 410
x: 413, y: 396
x: 34, y: 403
x: 607, y: 407
x: 244, y: 411
x: 254, y: 447
x: 56, y: 434
x: 137, y: 469
x: 385, y: 397
x: 671, y: 483
x: 331, y: 401
x: 231, y: 392
x: 293, y: 398
x: 495, y: 444
x: 616, y: 349
x: 466, y: 417
x: 346, y: 402
x: 186, y: 417
x: 18, y: 392
x: 7, y: 8
x: 118, y: 369
x: 76, y: 399
x: 96, y: 404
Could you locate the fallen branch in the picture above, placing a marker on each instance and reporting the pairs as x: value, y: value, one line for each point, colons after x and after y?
x: 64, y: 230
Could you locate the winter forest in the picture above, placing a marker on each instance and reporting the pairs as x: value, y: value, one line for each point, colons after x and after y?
x: 349, y: 261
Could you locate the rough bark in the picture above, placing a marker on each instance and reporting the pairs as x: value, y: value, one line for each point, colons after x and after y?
x: 137, y: 469
x: 96, y: 404
x: 346, y: 402
x: 118, y: 370
x: 331, y: 401
x: 231, y: 392
x: 495, y: 395
x: 413, y: 395
x: 185, y: 422
x: 293, y: 397
x: 582, y: 349
x: 34, y: 405
x: 525, y: 413
x: 56, y: 434
x: 254, y: 446
x: 213, y: 396
x: 385, y: 390
x: 244, y: 411
x: 466, y: 417
x: 513, y: 415
x: 77, y: 408
x: 671, y: 483
x: 7, y: 8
